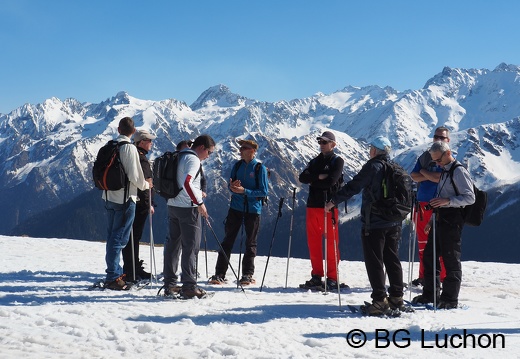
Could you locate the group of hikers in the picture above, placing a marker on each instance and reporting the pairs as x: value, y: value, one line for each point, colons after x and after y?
x: 440, y: 191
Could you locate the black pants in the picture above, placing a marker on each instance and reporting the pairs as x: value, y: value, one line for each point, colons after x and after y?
x: 233, y: 224
x: 141, y: 213
x: 448, y: 232
x: 381, y: 250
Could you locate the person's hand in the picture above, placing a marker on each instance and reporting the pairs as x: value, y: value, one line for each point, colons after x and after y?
x: 428, y: 227
x: 439, y: 202
x: 204, y: 195
x: 150, y: 182
x: 202, y: 210
x: 152, y: 210
x: 323, y: 176
x: 329, y: 206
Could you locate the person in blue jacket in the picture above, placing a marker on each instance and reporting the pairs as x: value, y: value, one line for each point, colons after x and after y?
x: 249, y: 185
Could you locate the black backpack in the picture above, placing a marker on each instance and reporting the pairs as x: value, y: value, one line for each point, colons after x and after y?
x: 165, y: 174
x: 474, y: 213
x: 257, y: 177
x: 397, y: 197
x: 108, y: 172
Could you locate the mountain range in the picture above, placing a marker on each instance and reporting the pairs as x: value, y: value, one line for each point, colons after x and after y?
x: 49, y: 148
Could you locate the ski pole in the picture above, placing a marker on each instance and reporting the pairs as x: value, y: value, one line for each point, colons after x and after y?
x: 325, y: 239
x: 280, y: 204
x: 290, y: 235
x: 434, y: 264
x: 205, y: 249
x: 241, y: 238
x: 153, y: 269
x: 336, y: 256
x: 410, y: 239
x: 133, y: 252
x: 223, y: 252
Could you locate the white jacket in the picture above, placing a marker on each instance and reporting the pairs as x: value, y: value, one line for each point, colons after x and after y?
x: 130, y: 161
x: 189, y: 178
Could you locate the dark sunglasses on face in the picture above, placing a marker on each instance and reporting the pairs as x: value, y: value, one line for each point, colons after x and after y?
x: 323, y: 142
x: 437, y: 137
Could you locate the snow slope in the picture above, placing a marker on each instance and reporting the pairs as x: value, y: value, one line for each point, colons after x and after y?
x: 46, y: 311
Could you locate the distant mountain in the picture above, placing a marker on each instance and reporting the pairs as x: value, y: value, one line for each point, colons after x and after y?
x: 48, y: 150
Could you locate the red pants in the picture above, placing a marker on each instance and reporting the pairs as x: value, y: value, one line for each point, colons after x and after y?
x: 423, y: 216
x: 315, y: 230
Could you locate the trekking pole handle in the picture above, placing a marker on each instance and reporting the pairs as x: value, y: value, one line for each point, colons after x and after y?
x: 293, y: 193
x: 280, y: 205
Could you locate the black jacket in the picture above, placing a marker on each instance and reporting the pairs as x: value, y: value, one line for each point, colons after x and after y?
x: 144, y: 197
x: 369, y: 179
x: 330, y: 164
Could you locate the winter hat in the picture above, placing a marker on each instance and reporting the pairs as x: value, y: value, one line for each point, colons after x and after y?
x: 381, y: 143
x: 248, y: 143
x: 143, y: 135
x: 327, y: 136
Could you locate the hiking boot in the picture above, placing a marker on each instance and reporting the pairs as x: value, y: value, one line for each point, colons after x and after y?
x: 141, y: 273
x: 447, y: 305
x: 217, y: 279
x: 378, y: 307
x: 396, y: 303
x: 315, y: 281
x: 118, y: 284
x: 332, y: 284
x: 422, y: 299
x: 418, y: 282
x: 247, y: 280
x: 189, y: 292
x: 171, y: 289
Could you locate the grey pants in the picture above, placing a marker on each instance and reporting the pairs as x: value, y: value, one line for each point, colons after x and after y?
x: 185, y: 233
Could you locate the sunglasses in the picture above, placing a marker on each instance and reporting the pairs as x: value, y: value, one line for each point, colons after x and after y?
x: 323, y: 142
x: 242, y: 148
x: 439, y: 160
x: 147, y: 140
x: 437, y: 137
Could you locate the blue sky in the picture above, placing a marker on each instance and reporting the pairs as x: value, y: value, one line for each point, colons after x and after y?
x: 266, y: 50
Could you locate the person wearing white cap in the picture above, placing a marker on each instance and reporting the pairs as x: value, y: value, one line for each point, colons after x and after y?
x: 380, y: 237
x: 133, y: 267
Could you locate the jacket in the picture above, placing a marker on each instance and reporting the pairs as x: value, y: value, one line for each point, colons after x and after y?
x: 144, y: 196
x: 322, y: 164
x: 130, y: 161
x: 369, y: 180
x: 249, y: 201
x: 190, y: 178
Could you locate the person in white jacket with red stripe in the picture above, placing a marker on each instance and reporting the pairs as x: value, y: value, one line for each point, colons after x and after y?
x: 184, y: 219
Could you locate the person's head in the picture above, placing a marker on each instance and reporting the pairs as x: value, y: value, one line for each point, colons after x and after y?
x: 380, y: 146
x: 184, y: 144
x: 327, y: 142
x: 126, y: 126
x: 441, y: 134
x: 143, y: 139
x: 441, y: 153
x: 203, y: 146
x: 247, y: 149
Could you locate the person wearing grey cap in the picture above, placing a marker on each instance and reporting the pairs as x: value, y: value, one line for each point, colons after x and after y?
x: 380, y: 236
x: 133, y: 267
x: 324, y: 175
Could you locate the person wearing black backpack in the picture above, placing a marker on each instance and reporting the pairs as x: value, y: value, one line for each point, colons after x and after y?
x: 380, y: 236
x: 133, y: 267
x: 454, y: 192
x: 120, y: 205
x: 324, y: 176
x: 249, y: 186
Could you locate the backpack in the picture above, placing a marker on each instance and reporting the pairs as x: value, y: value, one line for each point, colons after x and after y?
x: 108, y: 172
x: 165, y: 174
x: 257, y: 177
x: 474, y: 213
x: 396, y: 201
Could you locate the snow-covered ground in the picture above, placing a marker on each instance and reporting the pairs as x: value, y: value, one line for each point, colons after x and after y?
x: 47, y: 311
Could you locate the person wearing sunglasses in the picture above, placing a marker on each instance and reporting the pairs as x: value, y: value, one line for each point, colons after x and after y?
x: 185, y: 212
x: 453, y: 192
x: 323, y: 174
x: 426, y: 174
x: 248, y: 184
x: 132, y: 266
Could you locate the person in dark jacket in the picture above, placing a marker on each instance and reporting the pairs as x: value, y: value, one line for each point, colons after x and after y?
x: 323, y: 174
x: 380, y: 237
x: 133, y: 267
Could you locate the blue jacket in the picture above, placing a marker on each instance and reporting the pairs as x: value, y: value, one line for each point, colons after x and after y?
x: 251, y: 200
